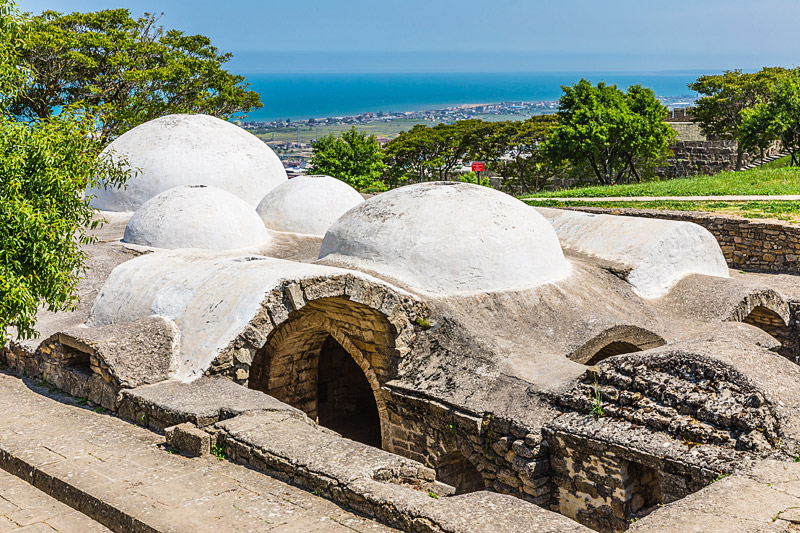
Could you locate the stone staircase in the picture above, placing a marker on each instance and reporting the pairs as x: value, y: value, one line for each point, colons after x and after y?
x: 758, y: 162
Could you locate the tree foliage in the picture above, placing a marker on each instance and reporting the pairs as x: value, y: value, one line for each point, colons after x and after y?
x: 776, y: 117
x: 619, y: 134
x: 431, y: 151
x: 513, y: 149
x: 724, y: 98
x: 124, y: 71
x: 355, y: 158
x: 45, y: 165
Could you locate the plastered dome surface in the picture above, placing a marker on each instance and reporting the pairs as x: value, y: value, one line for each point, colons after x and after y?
x: 190, y: 149
x: 656, y: 253
x: 307, y: 204
x: 447, y: 238
x: 195, y: 216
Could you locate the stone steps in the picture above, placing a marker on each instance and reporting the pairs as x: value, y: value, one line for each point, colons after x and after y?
x: 759, y: 162
x: 123, y: 476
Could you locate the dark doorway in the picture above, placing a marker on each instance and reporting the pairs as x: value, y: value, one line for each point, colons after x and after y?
x: 642, y: 489
x: 615, y: 348
x: 346, y: 403
x: 455, y: 470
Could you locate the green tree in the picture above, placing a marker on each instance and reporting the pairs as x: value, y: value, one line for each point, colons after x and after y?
x: 45, y: 165
x: 776, y: 118
x: 432, y: 151
x: 355, y: 158
x: 725, y: 96
x: 620, y: 135
x: 513, y: 149
x: 124, y: 71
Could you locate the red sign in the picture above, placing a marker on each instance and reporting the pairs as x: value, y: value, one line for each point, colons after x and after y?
x: 478, y: 166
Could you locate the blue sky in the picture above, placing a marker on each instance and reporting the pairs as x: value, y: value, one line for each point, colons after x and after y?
x: 485, y: 35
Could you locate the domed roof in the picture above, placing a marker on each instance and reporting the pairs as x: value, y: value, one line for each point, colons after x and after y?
x: 186, y: 149
x: 447, y: 238
x: 195, y: 216
x: 307, y: 204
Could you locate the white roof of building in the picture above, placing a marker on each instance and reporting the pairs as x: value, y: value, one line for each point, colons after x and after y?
x: 307, y: 204
x: 185, y: 150
x: 447, y: 238
x: 196, y: 216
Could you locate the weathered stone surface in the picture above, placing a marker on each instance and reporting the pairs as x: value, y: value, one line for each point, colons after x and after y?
x: 763, y: 499
x: 202, y: 402
x: 188, y: 439
x: 132, y: 353
x: 24, y: 508
x: 121, y: 475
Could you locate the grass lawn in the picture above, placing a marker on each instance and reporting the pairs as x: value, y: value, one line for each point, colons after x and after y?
x: 785, y: 180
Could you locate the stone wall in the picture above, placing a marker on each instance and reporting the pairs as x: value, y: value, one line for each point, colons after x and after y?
x: 606, y: 485
x: 747, y: 244
x: 510, y: 458
x: 693, y: 157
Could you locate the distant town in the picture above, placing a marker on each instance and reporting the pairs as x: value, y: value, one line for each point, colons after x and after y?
x: 292, y: 139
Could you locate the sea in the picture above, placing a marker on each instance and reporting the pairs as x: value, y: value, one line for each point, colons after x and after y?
x: 304, y: 96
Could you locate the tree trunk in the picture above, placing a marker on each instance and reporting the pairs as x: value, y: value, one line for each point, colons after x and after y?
x: 739, y: 154
x: 635, y: 172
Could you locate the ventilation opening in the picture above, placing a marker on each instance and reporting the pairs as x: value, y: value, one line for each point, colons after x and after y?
x: 78, y: 361
x: 772, y: 323
x: 615, y: 348
x: 455, y: 470
x: 345, y: 401
x: 643, y: 492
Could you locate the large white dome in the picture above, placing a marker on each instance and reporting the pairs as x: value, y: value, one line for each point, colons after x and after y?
x: 447, y: 238
x: 307, y: 204
x: 190, y: 149
x: 196, y: 216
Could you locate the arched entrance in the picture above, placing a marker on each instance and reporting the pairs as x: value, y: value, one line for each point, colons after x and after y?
x: 345, y: 402
x: 771, y: 322
x: 325, y: 360
x: 457, y: 471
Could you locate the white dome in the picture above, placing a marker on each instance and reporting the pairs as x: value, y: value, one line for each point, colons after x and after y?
x: 190, y: 149
x: 195, y: 216
x: 307, y: 204
x: 657, y: 253
x: 447, y: 238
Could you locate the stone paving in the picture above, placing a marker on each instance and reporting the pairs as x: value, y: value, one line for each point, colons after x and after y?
x: 24, y: 508
x: 123, y: 476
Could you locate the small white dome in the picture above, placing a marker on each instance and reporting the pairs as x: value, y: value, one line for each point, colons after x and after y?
x: 447, y: 238
x: 190, y: 149
x: 195, y: 216
x: 307, y: 204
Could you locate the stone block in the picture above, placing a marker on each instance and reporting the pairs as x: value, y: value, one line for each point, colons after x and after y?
x: 188, y: 439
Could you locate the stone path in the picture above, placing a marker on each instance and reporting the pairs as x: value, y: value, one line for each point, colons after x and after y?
x: 24, y: 508
x: 781, y: 197
x: 122, y: 476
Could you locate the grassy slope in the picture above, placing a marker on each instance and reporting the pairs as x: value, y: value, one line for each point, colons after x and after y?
x: 757, y: 181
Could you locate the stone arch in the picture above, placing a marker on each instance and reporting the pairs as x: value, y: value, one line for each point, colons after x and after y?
x: 369, y: 319
x: 287, y: 366
x: 767, y: 311
x: 612, y: 349
x: 615, y: 341
x: 456, y: 470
